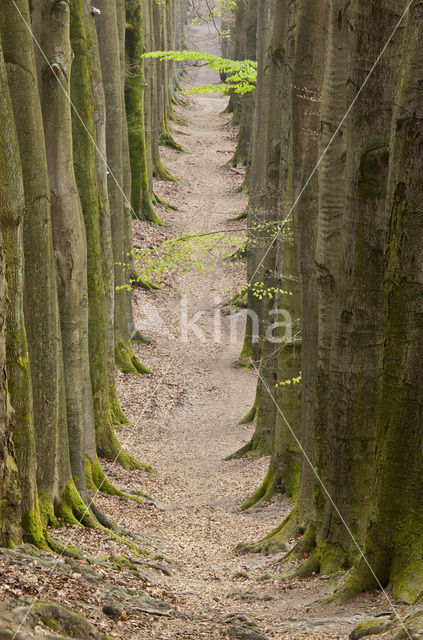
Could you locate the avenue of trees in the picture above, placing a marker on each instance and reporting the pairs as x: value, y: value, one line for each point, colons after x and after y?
x: 81, y: 119
x: 334, y: 166
x: 332, y: 141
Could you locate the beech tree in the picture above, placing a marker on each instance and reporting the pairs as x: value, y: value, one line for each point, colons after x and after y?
x: 351, y: 153
x: 66, y: 243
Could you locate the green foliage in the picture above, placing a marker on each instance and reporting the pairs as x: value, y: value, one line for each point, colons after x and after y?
x: 260, y: 290
x: 293, y: 381
x: 241, y: 74
x: 178, y: 256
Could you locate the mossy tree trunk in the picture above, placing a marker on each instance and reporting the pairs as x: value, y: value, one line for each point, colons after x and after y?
x: 41, y: 309
x: 99, y: 102
x: 141, y: 192
x: 350, y: 260
x: 112, y: 71
x: 394, y: 534
x: 242, y: 156
x: 52, y: 28
x: 307, y: 84
x: 86, y: 173
x: 264, y: 212
x: 15, y: 390
x: 281, y: 349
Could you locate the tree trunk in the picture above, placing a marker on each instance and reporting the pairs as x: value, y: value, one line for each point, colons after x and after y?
x: 350, y: 256
x: 141, y: 191
x: 394, y: 536
x: 15, y: 407
x: 41, y: 309
x: 108, y: 39
x: 86, y: 173
x: 52, y: 29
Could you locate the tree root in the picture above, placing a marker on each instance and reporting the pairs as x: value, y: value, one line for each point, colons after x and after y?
x: 73, y: 510
x: 241, y: 216
x: 138, y: 338
x: 256, y: 448
x: 162, y: 173
x: 148, y: 213
x: 253, y: 412
x: 248, y: 352
x: 166, y: 140
x: 392, y: 627
x: 166, y: 205
x: 144, y: 284
x: 235, y: 257
x: 127, y: 362
x: 237, y: 161
x: 116, y: 412
x: 277, y: 541
x: 267, y: 490
x: 250, y: 416
x: 109, y: 448
x: 244, y: 188
x: 239, y: 301
x: 326, y: 558
x: 229, y: 107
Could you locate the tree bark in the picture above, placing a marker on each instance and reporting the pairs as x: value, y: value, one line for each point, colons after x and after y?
x: 51, y: 22
x: 41, y: 311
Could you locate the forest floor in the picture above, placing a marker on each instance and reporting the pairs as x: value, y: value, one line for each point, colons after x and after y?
x: 184, y: 422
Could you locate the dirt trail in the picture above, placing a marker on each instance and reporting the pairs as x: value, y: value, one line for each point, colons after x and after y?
x: 185, y: 423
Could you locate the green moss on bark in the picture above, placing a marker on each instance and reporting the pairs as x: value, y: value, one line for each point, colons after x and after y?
x: 33, y: 530
x: 266, y: 491
x: 127, y: 362
x: 117, y: 413
x: 72, y: 508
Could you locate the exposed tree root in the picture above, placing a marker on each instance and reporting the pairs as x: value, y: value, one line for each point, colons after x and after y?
x: 237, y: 161
x: 144, y: 284
x: 278, y: 540
x: 73, y: 510
x: 250, y: 416
x: 69, y: 550
x: 175, y: 118
x: 235, y: 257
x: 148, y: 213
x: 166, y: 140
x: 236, y: 118
x: 241, y: 216
x: 127, y: 362
x: 109, y: 448
x: 248, y: 352
x: 326, y: 558
x: 166, y: 205
x: 244, y: 188
x: 239, y: 301
x: 256, y: 448
x: 162, y: 173
x: 116, y: 412
x: 267, y: 490
x: 229, y: 107
x: 138, y: 338
x: 391, y: 627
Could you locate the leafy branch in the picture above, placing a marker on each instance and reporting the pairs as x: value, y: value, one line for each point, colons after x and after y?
x: 241, y: 74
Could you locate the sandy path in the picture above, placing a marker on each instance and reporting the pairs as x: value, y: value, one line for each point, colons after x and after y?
x: 189, y: 425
